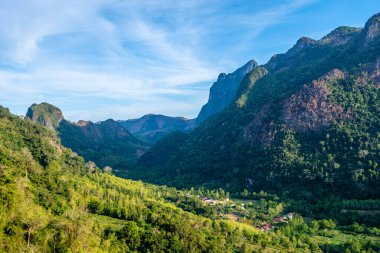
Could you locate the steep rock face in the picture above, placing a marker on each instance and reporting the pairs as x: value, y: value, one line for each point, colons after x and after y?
x: 311, y: 118
x: 45, y: 114
x: 152, y: 128
x: 306, y: 110
x: 223, y: 91
x: 309, y: 109
x: 372, y: 29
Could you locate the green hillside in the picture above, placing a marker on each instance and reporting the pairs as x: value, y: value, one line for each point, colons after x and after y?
x: 306, y: 122
x: 106, y: 143
x: 52, y: 201
x: 291, y: 165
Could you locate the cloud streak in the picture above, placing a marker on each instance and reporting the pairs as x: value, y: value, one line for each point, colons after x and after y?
x: 108, y: 58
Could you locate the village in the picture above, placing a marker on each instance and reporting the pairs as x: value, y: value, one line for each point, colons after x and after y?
x: 239, y: 210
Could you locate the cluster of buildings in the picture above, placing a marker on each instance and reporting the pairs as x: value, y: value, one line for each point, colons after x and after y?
x: 212, y: 201
x: 281, y: 219
x: 264, y: 227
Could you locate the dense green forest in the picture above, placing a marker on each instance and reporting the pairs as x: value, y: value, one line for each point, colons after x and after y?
x: 292, y: 165
x: 306, y: 122
x: 107, y: 143
x: 52, y: 201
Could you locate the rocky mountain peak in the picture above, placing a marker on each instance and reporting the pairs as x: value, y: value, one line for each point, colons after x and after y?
x: 153, y: 127
x: 45, y: 114
x: 301, y: 44
x: 222, y: 76
x: 224, y: 90
x: 304, y: 41
x: 248, y: 67
x: 110, y: 122
x: 372, y: 28
x: 83, y: 123
x: 340, y: 35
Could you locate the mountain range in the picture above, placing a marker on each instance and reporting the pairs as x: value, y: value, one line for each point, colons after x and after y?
x: 151, y: 128
x: 284, y: 157
x: 306, y: 120
x: 120, y: 143
x: 308, y: 116
x: 106, y: 143
x: 52, y: 200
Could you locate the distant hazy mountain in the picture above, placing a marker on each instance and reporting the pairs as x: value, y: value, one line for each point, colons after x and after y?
x: 105, y: 143
x: 151, y: 127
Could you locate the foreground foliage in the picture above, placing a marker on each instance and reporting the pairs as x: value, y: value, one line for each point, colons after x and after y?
x: 52, y: 201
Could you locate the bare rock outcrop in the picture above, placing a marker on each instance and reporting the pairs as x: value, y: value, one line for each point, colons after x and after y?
x: 309, y: 109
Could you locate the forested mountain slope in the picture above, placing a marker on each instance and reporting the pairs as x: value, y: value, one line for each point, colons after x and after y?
x: 308, y: 119
x: 106, y: 143
x: 52, y: 201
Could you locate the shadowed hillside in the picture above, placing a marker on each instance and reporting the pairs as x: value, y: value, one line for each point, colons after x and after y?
x: 308, y: 119
x: 106, y: 143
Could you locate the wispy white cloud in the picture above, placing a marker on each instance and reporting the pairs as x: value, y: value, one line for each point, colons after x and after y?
x: 148, y: 54
x: 25, y: 23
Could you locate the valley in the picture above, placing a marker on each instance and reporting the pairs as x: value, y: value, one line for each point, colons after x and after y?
x: 284, y: 157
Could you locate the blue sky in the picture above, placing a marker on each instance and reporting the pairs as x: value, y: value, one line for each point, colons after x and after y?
x: 121, y: 59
